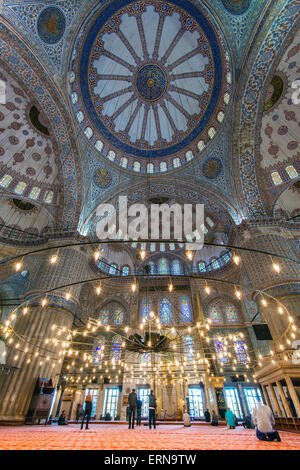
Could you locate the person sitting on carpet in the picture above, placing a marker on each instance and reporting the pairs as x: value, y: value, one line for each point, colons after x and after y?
x: 186, y: 420
x: 207, y: 416
x: 247, y: 423
x: 62, y: 420
x: 214, y: 419
x: 230, y: 419
x: 264, y: 422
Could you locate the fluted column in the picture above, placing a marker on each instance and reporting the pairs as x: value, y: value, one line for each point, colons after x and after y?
x: 275, y: 400
x: 35, y: 357
x: 284, y: 400
x: 293, y: 394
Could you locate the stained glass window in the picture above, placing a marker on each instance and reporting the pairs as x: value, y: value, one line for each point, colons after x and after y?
x: 163, y: 266
x: 291, y: 171
x: 98, y: 351
x: 125, y: 270
x: 176, y: 267
x: 220, y: 350
x: 230, y: 311
x: 176, y: 162
x: 146, y: 357
x: 165, y: 308
x: 116, y: 349
x: 150, y: 168
x: 118, y: 316
x: 19, y: 189
x: 210, y: 222
x: 215, y: 313
x: 152, y: 247
x: 137, y: 166
x: 151, y: 267
x: 103, y: 317
x: 276, y: 178
x: 145, y: 308
x: 215, y: 264
x: 189, y: 348
x: 241, y: 351
x: 163, y: 166
x: 34, y: 193
x: 49, y: 197
x: 202, y: 267
x: 186, y: 314
x: 162, y: 247
x: 113, y: 269
x: 5, y: 181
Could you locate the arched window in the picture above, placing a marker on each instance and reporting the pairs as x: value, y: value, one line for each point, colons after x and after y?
x: 80, y: 116
x: 176, y: 267
x: 291, y: 171
x: 189, y: 155
x: 210, y: 222
x: 145, y: 308
x: 189, y: 347
x: 48, y: 197
x: 111, y: 155
x: 176, y: 162
x: 124, y: 162
x: 215, y: 313
x: 152, y: 247
x: 19, y: 189
x: 118, y: 316
x: 99, y: 145
x: 136, y: 166
x: 226, y: 258
x: 163, y: 267
x: 151, y: 267
x: 98, y: 351
x: 103, y: 317
x: 116, y: 348
x: 185, y: 305
x: 163, y: 166
x: 34, y: 193
x: 165, y: 308
x: 162, y: 246
x: 146, y: 357
x: 220, y: 350
x: 88, y: 132
x: 215, y: 264
x: 231, y: 313
x: 276, y: 178
x: 113, y: 269
x: 125, y: 270
x: 241, y: 350
x: 150, y: 167
x: 5, y: 181
x: 202, y: 267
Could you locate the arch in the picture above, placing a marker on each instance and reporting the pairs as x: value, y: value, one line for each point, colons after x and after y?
x: 223, y: 309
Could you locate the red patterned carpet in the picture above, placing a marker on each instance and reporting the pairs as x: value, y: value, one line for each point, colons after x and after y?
x: 112, y: 437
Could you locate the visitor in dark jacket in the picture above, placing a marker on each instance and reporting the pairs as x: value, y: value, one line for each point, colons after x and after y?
x: 132, y: 398
x: 139, y: 404
x: 87, y: 411
x: 62, y: 420
x: 214, y: 419
x: 152, y: 409
x: 207, y: 416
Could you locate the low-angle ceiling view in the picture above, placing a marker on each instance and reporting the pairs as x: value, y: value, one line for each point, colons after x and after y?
x: 149, y: 225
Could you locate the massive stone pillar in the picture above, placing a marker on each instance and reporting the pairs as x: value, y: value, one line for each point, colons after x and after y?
x: 37, y: 355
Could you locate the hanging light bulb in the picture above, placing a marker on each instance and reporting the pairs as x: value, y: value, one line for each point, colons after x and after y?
x: 44, y: 302
x: 97, y: 255
x: 68, y: 296
x: 18, y: 266
x: 238, y: 294
x: 207, y: 290
x: 189, y: 255
x: 264, y: 302
x: 98, y: 290
x: 133, y: 287
x: 236, y: 259
x: 143, y: 254
x: 276, y: 267
x: 170, y: 287
x: 280, y: 310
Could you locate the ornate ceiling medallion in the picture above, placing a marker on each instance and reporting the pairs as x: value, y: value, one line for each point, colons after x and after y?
x: 151, y: 82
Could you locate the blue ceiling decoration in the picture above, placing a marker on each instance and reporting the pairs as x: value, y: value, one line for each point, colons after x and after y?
x: 150, y: 80
x: 51, y: 25
x: 45, y: 25
x: 236, y: 7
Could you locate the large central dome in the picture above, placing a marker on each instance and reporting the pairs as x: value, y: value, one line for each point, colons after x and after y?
x: 151, y: 81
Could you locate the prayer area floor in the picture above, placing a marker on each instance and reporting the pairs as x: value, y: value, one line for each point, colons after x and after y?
x: 112, y: 437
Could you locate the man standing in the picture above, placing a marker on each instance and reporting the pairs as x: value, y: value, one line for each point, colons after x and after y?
x: 152, y: 409
x: 132, y: 399
x: 87, y: 411
x: 230, y: 418
x: 138, y: 411
x: 263, y: 420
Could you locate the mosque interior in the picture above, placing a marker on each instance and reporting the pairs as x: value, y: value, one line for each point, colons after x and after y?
x: 160, y: 105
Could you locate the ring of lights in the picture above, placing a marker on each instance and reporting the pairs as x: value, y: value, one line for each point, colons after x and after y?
x: 139, y: 97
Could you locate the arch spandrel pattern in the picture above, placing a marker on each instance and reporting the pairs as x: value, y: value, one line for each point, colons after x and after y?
x: 275, y: 36
x: 20, y: 62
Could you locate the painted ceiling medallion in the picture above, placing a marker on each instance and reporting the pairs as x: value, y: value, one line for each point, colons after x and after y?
x: 236, y: 7
x: 102, y: 178
x: 149, y: 80
x: 51, y: 25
